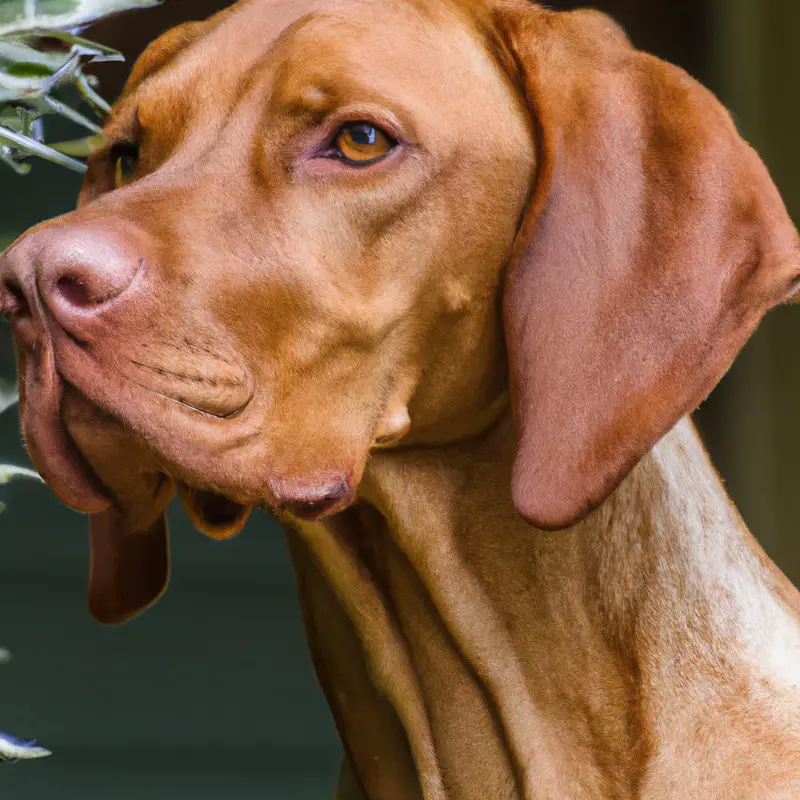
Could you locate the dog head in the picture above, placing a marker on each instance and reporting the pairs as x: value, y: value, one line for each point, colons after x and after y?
x: 322, y: 228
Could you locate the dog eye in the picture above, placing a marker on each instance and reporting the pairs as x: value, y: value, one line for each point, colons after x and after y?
x: 125, y: 158
x: 360, y: 143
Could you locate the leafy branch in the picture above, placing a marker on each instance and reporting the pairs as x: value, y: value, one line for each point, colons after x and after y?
x: 40, y: 55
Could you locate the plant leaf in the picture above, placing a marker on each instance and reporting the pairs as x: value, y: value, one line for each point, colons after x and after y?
x: 12, y: 51
x: 31, y: 147
x: 57, y: 107
x: 84, y: 86
x: 39, y: 52
x: 9, y: 471
x: 54, y: 41
x: 80, y: 148
x: 8, y: 394
x: 19, y: 16
x: 20, y: 167
x: 28, y: 69
x: 13, y: 749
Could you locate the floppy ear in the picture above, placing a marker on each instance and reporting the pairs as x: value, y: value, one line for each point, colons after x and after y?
x: 653, y: 244
x: 129, y: 570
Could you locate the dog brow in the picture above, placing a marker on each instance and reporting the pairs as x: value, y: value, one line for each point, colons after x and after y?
x: 162, y: 52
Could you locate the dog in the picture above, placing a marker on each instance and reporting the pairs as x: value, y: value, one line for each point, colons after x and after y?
x: 438, y: 283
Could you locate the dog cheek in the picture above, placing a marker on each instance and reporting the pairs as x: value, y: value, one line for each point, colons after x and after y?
x: 128, y: 470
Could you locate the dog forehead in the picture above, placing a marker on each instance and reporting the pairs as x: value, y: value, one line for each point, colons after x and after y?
x: 255, y: 24
x: 247, y: 38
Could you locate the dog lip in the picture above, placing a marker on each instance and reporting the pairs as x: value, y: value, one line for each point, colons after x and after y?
x: 57, y: 457
x: 52, y: 449
x: 312, y: 511
x: 315, y: 501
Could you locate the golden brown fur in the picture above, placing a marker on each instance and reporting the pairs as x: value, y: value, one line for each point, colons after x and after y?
x: 421, y: 365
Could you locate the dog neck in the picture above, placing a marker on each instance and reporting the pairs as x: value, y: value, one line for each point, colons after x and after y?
x: 592, y: 662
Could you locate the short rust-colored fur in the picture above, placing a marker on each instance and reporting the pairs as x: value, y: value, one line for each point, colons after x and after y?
x: 460, y: 376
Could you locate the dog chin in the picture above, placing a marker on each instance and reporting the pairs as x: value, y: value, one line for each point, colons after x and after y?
x: 139, y: 482
x: 221, y: 517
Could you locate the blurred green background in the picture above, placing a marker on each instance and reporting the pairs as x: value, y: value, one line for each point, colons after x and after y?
x: 211, y: 693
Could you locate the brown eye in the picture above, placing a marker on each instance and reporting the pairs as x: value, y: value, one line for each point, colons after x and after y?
x: 125, y: 158
x: 361, y: 143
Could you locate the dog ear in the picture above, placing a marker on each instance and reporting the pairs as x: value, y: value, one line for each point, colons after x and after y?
x: 653, y: 243
x: 129, y: 570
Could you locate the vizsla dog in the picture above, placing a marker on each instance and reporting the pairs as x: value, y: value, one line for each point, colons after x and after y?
x: 438, y: 283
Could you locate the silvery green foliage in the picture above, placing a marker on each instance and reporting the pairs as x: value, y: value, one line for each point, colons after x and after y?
x: 25, y: 15
x: 11, y: 471
x: 8, y: 398
x: 39, y: 53
x: 8, y: 393
x: 12, y: 748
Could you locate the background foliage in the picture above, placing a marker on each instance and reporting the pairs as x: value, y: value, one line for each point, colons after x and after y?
x: 40, y: 55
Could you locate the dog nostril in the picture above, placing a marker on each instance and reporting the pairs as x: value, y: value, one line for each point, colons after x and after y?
x: 13, y: 302
x: 73, y: 290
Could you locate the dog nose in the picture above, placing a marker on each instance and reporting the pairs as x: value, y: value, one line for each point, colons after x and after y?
x: 74, y: 270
